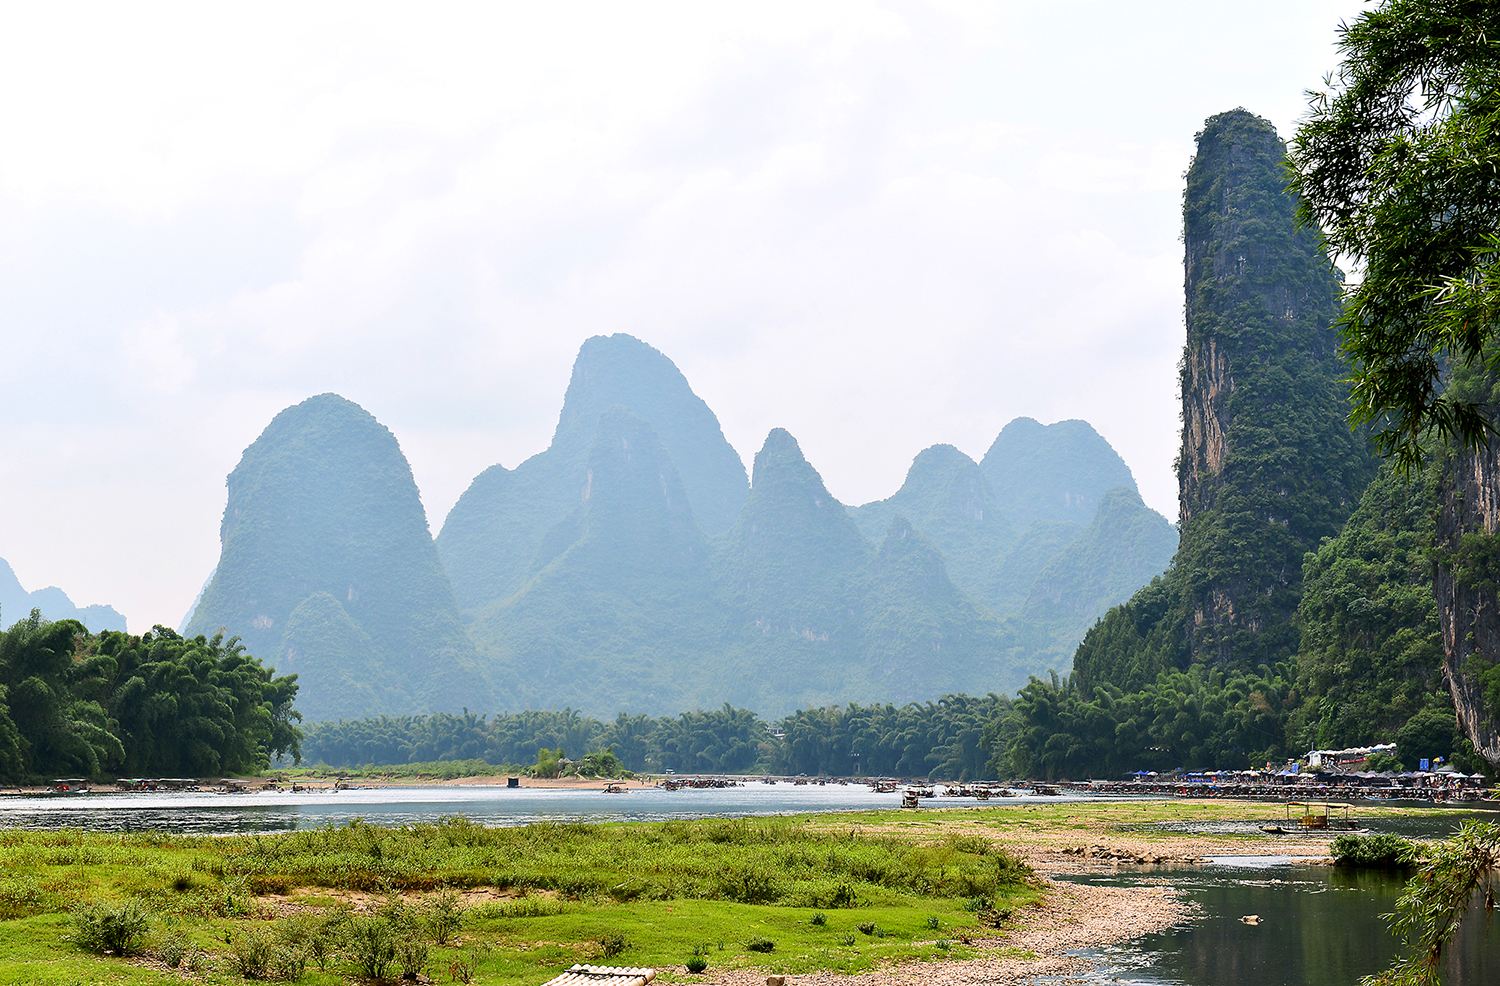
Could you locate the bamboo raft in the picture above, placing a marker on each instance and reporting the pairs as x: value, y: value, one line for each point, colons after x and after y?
x: 603, y: 975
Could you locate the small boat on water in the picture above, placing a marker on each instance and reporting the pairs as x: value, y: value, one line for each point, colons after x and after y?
x: 614, y: 789
x: 68, y: 786
x: 1314, y: 816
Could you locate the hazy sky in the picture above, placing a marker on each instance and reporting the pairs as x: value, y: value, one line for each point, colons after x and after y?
x: 880, y: 227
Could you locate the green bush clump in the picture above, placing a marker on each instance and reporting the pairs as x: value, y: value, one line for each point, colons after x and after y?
x: 819, y: 919
x: 443, y: 916
x: 696, y: 964
x: 761, y: 945
x: 613, y: 944
x: 1383, y: 851
x: 19, y: 899
x: 372, y: 946
x: 110, y: 929
x: 412, y: 955
x: 267, y: 954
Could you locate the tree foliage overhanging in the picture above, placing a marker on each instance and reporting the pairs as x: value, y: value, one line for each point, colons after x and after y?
x: 74, y: 703
x: 1399, y: 163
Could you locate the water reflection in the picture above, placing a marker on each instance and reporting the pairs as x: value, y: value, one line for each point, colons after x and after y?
x: 1318, y: 926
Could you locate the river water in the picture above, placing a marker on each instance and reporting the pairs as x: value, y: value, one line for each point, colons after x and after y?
x: 275, y: 811
x: 1317, y: 926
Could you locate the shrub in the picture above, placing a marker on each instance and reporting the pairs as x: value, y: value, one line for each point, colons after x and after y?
x: 934, y: 923
x: 463, y: 967
x: 115, y: 929
x: 761, y: 945
x: 250, y: 954
x: 1383, y: 851
x: 171, y: 948
x: 749, y: 885
x: 819, y: 919
x: 412, y: 953
x: 444, y: 916
x: 943, y: 944
x: 259, y: 953
x: 974, y: 844
x: 866, y: 927
x: 843, y: 897
x: 847, y: 940
x: 323, y: 936
x: 696, y: 964
x: 612, y: 945
x: 372, y: 946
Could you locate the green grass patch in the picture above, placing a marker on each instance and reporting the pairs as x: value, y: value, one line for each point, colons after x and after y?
x: 513, y: 904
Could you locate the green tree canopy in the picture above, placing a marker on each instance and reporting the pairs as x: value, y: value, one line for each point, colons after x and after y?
x: 1399, y: 164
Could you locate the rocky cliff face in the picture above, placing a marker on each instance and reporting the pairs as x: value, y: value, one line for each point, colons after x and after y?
x: 327, y: 570
x: 504, y: 529
x: 1268, y: 466
x: 1467, y: 586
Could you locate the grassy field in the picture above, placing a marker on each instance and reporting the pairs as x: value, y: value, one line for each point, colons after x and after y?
x: 845, y: 892
x: 785, y: 895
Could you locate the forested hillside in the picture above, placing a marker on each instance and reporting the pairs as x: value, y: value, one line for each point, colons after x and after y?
x: 76, y: 704
x: 327, y: 570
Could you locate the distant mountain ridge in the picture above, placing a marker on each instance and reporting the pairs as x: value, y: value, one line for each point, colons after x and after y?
x: 633, y: 565
x: 16, y: 604
x: 327, y: 570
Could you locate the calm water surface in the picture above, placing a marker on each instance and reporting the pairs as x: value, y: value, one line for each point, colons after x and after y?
x: 1318, y: 927
x: 284, y: 811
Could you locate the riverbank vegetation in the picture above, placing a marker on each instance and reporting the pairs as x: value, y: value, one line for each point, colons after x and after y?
x: 74, y: 703
x: 1456, y: 881
x: 494, y: 905
x: 940, y: 739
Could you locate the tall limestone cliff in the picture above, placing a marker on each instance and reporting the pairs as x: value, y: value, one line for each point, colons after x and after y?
x: 818, y: 614
x: 948, y: 500
x: 16, y: 604
x: 327, y: 570
x: 1268, y: 465
x: 1048, y: 532
x: 790, y: 565
x: 1467, y: 573
x: 620, y: 615
x: 497, y: 535
x: 1056, y: 472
